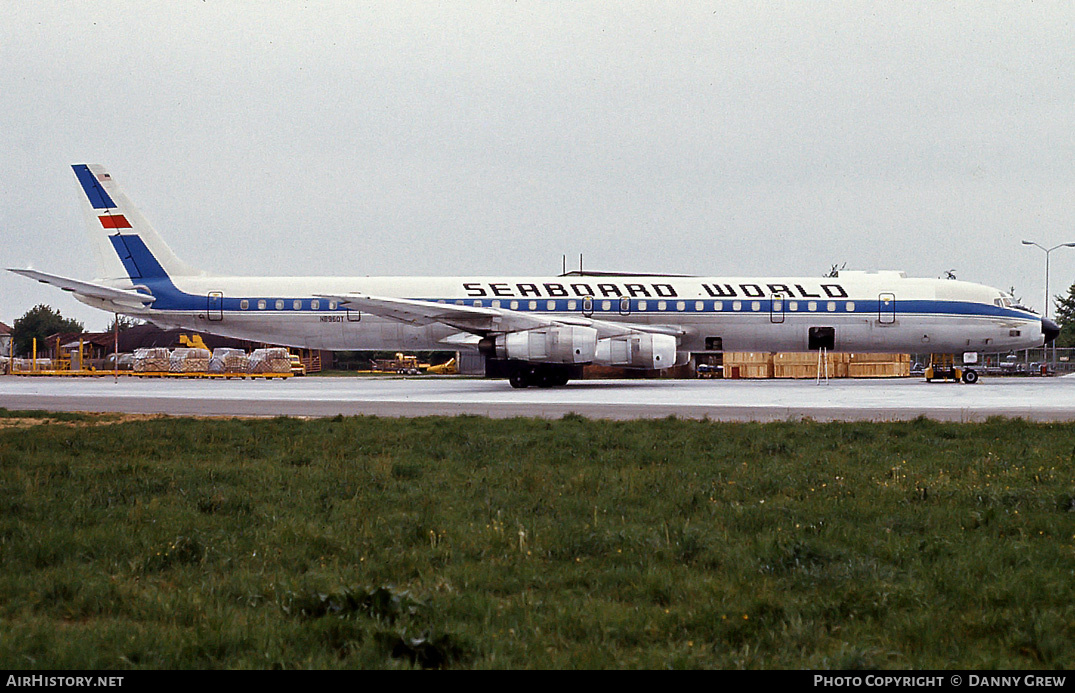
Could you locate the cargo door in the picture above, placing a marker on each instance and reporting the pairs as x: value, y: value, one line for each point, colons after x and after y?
x: 215, y: 306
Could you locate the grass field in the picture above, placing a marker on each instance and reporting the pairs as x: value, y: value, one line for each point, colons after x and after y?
x: 475, y: 543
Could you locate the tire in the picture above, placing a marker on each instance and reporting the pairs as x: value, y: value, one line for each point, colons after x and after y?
x: 970, y: 377
x: 519, y: 379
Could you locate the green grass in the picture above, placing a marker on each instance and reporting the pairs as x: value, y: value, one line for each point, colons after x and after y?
x: 474, y: 543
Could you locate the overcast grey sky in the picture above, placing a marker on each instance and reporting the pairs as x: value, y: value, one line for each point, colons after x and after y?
x: 712, y: 138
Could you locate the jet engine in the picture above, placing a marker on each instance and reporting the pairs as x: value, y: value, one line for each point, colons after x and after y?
x: 562, y: 344
x: 637, y: 350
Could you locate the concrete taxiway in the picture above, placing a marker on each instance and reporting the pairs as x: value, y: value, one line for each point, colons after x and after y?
x: 1036, y: 399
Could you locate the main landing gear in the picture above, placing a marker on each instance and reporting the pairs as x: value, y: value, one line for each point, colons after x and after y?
x: 539, y: 374
x: 525, y: 374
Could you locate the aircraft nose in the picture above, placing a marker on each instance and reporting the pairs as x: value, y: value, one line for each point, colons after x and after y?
x: 1049, y: 329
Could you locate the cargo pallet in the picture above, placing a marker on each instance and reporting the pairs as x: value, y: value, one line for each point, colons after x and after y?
x: 100, y: 374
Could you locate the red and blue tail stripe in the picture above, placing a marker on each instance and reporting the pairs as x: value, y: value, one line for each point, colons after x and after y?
x: 99, y: 198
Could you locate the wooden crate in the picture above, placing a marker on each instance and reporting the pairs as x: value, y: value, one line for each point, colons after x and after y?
x: 880, y: 358
x: 897, y: 369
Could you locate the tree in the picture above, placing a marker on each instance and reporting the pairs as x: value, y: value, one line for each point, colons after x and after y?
x: 125, y: 323
x: 1065, y: 317
x: 40, y: 322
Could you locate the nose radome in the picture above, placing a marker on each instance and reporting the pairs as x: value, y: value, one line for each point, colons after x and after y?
x: 1049, y: 329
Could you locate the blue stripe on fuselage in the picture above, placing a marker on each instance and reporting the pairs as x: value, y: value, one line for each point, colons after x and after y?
x: 97, y: 196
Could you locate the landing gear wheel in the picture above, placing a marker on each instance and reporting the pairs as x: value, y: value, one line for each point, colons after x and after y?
x: 970, y: 377
x: 552, y: 376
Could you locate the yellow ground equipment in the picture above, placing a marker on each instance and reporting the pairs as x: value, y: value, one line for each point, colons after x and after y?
x: 943, y: 367
x: 446, y: 368
x: 192, y: 341
x: 403, y: 364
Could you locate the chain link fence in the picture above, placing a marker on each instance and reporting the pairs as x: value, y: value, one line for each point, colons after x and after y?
x: 1059, y: 361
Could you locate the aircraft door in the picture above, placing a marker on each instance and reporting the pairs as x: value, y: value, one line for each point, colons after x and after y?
x: 886, y: 308
x: 215, y: 306
x: 777, y: 307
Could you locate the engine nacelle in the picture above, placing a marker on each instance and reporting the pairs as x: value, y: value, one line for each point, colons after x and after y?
x: 564, y: 344
x: 637, y: 350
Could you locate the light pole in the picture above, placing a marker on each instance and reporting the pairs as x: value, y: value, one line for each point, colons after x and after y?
x: 1047, y: 251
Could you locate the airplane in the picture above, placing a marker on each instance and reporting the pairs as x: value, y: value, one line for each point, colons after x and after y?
x: 540, y: 330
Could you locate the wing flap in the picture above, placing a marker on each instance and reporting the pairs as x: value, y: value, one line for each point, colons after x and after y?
x: 471, y: 319
x: 484, y: 320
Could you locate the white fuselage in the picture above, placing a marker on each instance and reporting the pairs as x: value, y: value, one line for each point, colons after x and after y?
x: 866, y: 312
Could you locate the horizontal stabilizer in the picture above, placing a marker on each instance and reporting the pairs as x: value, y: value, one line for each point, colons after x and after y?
x: 106, y: 293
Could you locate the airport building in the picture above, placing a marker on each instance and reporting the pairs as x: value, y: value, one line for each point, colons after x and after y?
x: 5, y: 340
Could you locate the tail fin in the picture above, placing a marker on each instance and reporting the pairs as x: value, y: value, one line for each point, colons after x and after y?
x: 115, y: 228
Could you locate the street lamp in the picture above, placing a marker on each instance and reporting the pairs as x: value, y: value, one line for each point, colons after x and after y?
x: 1047, y: 251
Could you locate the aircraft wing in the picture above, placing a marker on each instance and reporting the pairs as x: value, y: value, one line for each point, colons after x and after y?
x: 106, y: 293
x: 484, y: 320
